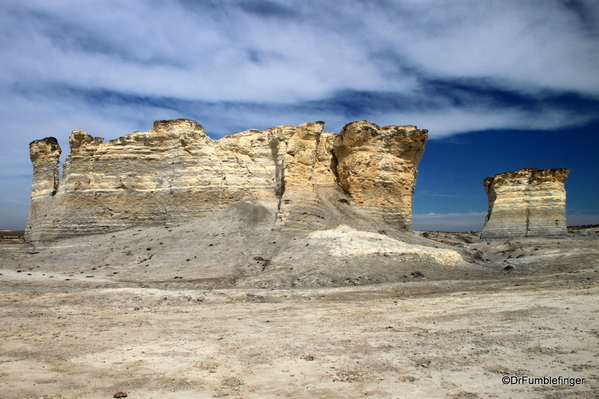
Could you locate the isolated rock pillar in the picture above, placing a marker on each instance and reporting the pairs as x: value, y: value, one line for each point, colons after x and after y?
x: 526, y: 203
x: 45, y: 157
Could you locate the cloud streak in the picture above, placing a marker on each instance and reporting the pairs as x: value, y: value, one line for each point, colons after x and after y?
x: 431, y: 57
x: 373, y: 59
x: 112, y: 67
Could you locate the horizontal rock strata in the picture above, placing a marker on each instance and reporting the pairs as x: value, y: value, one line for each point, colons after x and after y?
x: 175, y: 172
x: 526, y: 203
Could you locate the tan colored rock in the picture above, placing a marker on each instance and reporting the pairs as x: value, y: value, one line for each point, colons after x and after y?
x: 526, y: 203
x: 45, y: 157
x: 305, y: 162
x: 175, y: 172
x: 377, y: 167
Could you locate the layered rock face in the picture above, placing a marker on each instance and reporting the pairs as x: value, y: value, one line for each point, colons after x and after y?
x: 175, y: 172
x: 526, y: 203
x: 377, y: 168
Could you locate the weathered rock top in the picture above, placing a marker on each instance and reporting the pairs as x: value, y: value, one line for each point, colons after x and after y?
x: 528, y: 176
x: 174, y: 172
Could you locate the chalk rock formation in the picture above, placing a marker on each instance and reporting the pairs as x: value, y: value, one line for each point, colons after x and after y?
x: 377, y: 168
x: 526, y: 203
x: 175, y: 172
x: 45, y: 157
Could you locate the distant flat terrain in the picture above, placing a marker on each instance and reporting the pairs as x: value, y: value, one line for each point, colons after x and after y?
x: 128, y: 312
x: 12, y: 233
x: 11, y: 236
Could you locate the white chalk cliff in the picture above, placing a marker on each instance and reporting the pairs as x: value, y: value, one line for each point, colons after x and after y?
x: 175, y: 173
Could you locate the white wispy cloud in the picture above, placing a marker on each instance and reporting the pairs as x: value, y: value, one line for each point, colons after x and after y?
x: 111, y: 67
x: 291, y: 52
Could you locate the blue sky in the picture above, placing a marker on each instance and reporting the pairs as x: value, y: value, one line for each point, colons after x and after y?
x: 500, y: 85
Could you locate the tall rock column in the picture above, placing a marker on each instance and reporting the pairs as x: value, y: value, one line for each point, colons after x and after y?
x: 45, y: 157
x: 526, y: 203
x: 377, y: 167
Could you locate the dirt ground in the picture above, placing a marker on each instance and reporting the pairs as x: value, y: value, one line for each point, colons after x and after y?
x: 75, y: 323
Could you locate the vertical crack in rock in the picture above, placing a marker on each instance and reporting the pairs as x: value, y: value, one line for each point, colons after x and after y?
x: 526, y: 203
x: 275, y: 145
x: 333, y: 166
x: 174, y: 173
x: 302, y: 174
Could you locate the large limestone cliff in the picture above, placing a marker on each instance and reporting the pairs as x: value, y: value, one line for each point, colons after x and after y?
x: 526, y: 203
x: 174, y: 173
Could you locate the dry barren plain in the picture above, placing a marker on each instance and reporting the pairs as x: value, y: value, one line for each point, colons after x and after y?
x: 153, y: 315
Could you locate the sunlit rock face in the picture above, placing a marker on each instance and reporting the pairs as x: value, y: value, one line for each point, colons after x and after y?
x: 306, y: 178
x: 377, y: 167
x: 45, y: 157
x: 526, y: 203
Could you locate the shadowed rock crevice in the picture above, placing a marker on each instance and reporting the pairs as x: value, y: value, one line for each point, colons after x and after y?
x: 279, y: 168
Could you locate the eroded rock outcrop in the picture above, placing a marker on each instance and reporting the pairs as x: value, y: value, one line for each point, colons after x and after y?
x: 526, y: 203
x: 377, y: 168
x: 175, y: 172
x: 45, y: 157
